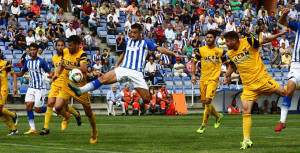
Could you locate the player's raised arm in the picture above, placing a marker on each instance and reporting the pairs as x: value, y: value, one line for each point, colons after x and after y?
x: 282, y: 19
x: 167, y: 52
x: 273, y: 37
x: 120, y: 60
x: 227, y: 76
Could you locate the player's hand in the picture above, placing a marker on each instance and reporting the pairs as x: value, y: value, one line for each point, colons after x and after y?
x: 285, y: 11
x: 226, y: 80
x: 54, y: 78
x: 177, y: 55
x: 15, y: 91
x: 194, y: 79
x: 285, y: 31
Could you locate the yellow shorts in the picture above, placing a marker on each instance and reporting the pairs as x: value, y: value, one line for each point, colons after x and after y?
x: 265, y: 84
x: 208, y: 89
x: 4, y: 97
x: 66, y: 93
x: 54, y: 91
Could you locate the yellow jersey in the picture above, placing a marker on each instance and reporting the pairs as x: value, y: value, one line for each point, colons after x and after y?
x: 211, y: 60
x: 74, y: 61
x: 248, y: 61
x: 56, y: 61
x: 5, y: 68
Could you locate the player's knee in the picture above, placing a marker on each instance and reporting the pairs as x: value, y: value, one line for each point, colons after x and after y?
x: 146, y: 98
x: 38, y: 109
x: 207, y: 101
x: 289, y: 93
x: 29, y: 107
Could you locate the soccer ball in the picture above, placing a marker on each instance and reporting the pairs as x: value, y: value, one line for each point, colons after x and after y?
x: 75, y: 76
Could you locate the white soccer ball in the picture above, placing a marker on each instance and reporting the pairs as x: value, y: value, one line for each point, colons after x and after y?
x: 75, y: 76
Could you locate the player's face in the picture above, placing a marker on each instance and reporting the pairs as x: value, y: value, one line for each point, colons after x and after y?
x: 33, y: 52
x: 230, y: 43
x: 210, y: 40
x: 60, y: 47
x: 135, y: 34
x: 72, y: 47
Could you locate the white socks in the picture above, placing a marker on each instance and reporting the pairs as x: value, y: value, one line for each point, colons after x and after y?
x: 31, y: 124
x: 87, y: 87
x: 284, y: 112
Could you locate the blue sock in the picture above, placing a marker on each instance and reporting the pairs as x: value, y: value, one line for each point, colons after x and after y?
x: 44, y: 109
x: 286, y: 102
x: 96, y: 83
x: 30, y: 115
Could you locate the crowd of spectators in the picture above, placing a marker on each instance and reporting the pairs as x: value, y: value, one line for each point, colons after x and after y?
x: 264, y: 109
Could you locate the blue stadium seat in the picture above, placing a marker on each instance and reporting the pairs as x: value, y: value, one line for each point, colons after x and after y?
x: 22, y: 19
x: 158, y: 80
x: 284, y: 78
x: 41, y: 19
x: 2, y: 27
x: 2, y: 47
x: 169, y: 81
x: 104, y: 89
x: 111, y: 42
x: 8, y: 43
x: 188, y: 90
x: 270, y: 73
x: 170, y: 88
x: 18, y: 56
x: 187, y: 80
x: 9, y: 57
x: 266, y: 62
x: 268, y: 66
x: 178, y: 89
x: 7, y: 52
x: 284, y: 72
x: 1, y: 43
x: 23, y: 89
x: 177, y: 81
x: 277, y: 78
x: 47, y: 52
x: 276, y: 72
x: 16, y: 69
x: 17, y: 52
x: 120, y: 29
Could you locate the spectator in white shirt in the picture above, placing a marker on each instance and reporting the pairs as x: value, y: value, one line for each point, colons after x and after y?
x: 70, y: 31
x: 97, y: 67
x: 222, y: 42
x: 187, y: 29
x: 94, y: 20
x: 128, y: 24
x: 151, y: 69
x: 42, y: 41
x: 230, y: 26
x: 212, y: 26
x: 15, y: 9
x: 115, y: 17
x: 169, y: 34
x: 284, y: 40
x: 178, y: 68
x: 293, y: 14
x: 249, y: 14
x: 30, y: 38
x: 91, y: 42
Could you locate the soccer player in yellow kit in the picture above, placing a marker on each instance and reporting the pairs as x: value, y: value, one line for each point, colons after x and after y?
x: 211, y: 59
x: 55, y: 88
x: 74, y: 57
x: 244, y: 56
x: 5, y: 68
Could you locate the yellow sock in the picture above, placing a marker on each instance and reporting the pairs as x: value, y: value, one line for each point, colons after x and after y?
x: 247, y: 123
x: 214, y: 111
x: 64, y: 113
x: 7, y: 121
x: 73, y: 111
x: 93, y: 122
x: 48, y: 116
x: 7, y: 112
x: 206, y: 114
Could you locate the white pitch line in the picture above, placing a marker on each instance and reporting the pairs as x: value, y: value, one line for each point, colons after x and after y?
x: 59, y: 148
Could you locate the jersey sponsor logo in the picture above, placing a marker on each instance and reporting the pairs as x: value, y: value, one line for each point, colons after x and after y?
x: 57, y: 64
x: 240, y: 58
x: 212, y: 59
x: 71, y: 63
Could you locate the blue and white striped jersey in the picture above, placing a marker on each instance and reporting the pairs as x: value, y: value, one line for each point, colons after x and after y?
x: 294, y: 25
x: 36, y: 68
x: 135, y: 53
x: 161, y: 18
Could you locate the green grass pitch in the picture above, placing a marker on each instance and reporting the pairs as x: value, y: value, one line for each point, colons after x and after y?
x: 155, y: 134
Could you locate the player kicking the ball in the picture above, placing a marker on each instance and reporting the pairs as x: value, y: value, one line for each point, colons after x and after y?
x: 244, y: 56
x: 294, y: 74
x: 129, y: 67
x: 211, y: 59
x: 55, y: 87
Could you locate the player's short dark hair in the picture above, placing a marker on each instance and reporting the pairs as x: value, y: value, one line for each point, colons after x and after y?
x: 60, y: 40
x: 212, y: 33
x: 232, y: 35
x: 136, y: 26
x: 74, y: 38
x: 34, y: 45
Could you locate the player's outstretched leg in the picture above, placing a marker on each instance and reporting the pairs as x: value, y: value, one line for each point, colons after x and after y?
x: 286, y: 104
x: 76, y: 114
x: 108, y: 78
x: 219, y: 116
x: 247, y: 123
x: 7, y: 121
x: 206, y: 114
x: 11, y: 114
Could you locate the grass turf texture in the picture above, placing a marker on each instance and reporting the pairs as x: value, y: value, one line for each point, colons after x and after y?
x: 154, y: 134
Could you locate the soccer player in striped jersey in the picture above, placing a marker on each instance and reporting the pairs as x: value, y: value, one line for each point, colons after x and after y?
x: 129, y: 67
x: 35, y: 95
x: 5, y: 69
x: 55, y: 88
x: 294, y: 74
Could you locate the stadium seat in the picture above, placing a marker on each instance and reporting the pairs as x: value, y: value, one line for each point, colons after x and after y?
x: 266, y: 62
x: 41, y: 19
x: 178, y: 89
x: 111, y: 42
x: 177, y: 81
x: 188, y: 90
x: 23, y: 89
x: 9, y: 57
x: 169, y: 88
x: 284, y: 72
x: 2, y: 27
x: 270, y: 73
x: 2, y: 47
x: 7, y: 43
x: 169, y: 81
x: 104, y: 89
x: 268, y: 66
x: 276, y: 72
x: 284, y: 78
x: 158, y: 80
x: 7, y: 52
x: 187, y: 80
x: 16, y: 69
x: 1, y: 43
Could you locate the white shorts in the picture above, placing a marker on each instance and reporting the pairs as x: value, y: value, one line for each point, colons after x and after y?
x: 35, y: 95
x: 294, y: 75
x: 135, y: 77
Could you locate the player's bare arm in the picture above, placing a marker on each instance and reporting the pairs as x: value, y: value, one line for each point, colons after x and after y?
x: 194, y: 79
x: 167, y: 52
x: 120, y: 60
x: 20, y: 74
x: 15, y: 90
x: 227, y: 76
x: 273, y: 37
x: 282, y: 19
